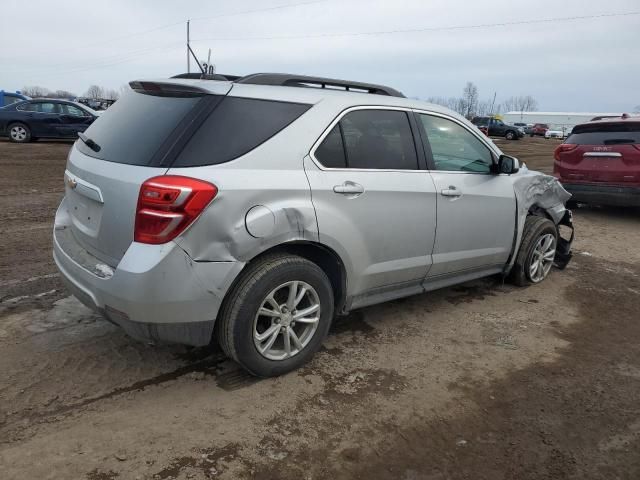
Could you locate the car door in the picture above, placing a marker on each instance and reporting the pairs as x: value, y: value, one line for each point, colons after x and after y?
x: 74, y: 120
x: 374, y: 205
x: 476, y: 208
x: 48, y: 117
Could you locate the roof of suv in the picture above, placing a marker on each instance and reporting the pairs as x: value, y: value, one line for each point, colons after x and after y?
x: 310, y: 95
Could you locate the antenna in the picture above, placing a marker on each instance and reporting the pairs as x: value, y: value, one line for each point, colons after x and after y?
x: 188, y: 49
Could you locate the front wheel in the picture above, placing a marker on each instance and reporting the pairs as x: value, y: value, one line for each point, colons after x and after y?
x: 510, y: 135
x: 537, y: 251
x: 277, y: 315
x: 19, y: 133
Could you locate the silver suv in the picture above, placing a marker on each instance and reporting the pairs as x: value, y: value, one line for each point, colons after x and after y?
x: 254, y: 209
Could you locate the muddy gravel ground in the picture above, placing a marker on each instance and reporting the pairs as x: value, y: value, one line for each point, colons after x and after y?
x: 479, y: 381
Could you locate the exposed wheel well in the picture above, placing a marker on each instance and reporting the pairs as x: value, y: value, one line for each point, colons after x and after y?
x: 325, y: 258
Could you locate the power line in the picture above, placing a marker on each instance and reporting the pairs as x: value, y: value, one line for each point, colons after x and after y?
x: 259, y: 10
x: 82, y: 65
x: 425, y: 29
x: 222, y: 15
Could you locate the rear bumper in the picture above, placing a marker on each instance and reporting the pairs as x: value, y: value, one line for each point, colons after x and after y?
x: 603, y: 194
x: 156, y: 293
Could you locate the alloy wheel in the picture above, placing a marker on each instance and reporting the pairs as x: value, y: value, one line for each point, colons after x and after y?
x: 287, y: 320
x: 18, y: 133
x: 542, y: 257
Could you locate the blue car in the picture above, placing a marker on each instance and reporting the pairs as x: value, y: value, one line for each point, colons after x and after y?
x: 7, y: 98
x: 30, y: 120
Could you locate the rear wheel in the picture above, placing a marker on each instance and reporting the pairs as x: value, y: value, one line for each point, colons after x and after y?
x: 277, y: 315
x: 19, y: 133
x: 537, y: 251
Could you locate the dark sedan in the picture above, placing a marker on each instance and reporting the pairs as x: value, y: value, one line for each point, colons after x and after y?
x: 33, y: 119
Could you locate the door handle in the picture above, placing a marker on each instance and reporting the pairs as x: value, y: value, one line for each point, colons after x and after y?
x: 452, y: 191
x: 349, y: 188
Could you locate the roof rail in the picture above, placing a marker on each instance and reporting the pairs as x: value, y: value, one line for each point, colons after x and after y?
x: 289, y: 80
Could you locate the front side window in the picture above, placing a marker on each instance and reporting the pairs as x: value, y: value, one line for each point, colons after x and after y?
x: 72, y: 110
x: 454, y: 148
x: 370, y: 139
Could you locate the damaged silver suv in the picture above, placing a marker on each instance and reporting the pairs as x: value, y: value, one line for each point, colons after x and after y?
x: 252, y: 210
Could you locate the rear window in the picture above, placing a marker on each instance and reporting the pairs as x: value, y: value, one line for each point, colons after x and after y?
x: 605, y: 134
x: 132, y: 130
x: 235, y: 127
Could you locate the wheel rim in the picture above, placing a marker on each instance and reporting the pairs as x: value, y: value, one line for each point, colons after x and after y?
x: 286, y: 321
x: 18, y: 133
x: 542, y: 257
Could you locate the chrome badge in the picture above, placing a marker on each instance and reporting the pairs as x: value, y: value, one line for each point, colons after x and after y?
x: 72, y: 182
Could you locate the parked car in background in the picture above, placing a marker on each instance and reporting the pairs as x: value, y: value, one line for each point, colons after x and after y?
x: 526, y: 128
x: 30, y: 120
x: 539, y: 129
x: 557, y: 132
x: 161, y: 232
x: 600, y: 162
x: 8, y: 98
x: 497, y: 128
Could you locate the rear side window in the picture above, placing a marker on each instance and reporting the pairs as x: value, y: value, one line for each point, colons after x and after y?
x: 45, y: 107
x: 372, y: 139
x: 27, y: 107
x: 235, y: 127
x: 605, y: 134
x: 132, y: 130
x: 330, y: 152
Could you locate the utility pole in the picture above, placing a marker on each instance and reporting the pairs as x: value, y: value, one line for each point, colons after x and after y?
x: 493, y: 102
x: 188, y: 50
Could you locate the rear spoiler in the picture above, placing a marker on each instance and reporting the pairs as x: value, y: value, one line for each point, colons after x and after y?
x: 160, y: 89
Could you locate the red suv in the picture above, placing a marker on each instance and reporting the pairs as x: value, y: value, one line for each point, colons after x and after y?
x: 600, y: 162
x: 539, y: 129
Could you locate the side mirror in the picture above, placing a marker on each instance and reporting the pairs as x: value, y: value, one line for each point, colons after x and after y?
x: 508, y: 165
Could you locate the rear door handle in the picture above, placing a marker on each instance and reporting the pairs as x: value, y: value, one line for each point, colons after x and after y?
x: 349, y: 188
x: 452, y: 191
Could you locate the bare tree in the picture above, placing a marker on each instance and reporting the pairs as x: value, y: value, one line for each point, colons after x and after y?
x: 636, y: 109
x: 111, y: 94
x: 62, y: 94
x: 521, y: 103
x: 452, y: 103
x: 470, y: 99
x: 95, y: 91
x: 124, y: 89
x: 35, y: 91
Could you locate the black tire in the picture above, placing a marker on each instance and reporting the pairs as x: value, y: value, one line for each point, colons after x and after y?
x: 235, y: 324
x: 510, y: 135
x: 534, y: 228
x: 22, y: 133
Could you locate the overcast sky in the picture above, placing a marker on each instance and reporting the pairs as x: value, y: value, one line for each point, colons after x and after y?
x: 579, y: 65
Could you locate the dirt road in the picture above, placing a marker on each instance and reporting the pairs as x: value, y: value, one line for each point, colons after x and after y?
x: 479, y: 381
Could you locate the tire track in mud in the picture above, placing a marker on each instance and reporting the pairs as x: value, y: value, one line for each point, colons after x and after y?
x: 574, y: 417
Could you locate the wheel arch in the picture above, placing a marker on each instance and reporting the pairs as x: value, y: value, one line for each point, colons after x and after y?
x: 323, y: 256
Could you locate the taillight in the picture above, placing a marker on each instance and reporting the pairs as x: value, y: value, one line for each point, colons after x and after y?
x: 563, y: 147
x: 168, y: 204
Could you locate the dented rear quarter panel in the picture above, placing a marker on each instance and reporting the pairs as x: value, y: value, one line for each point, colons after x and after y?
x: 270, y: 176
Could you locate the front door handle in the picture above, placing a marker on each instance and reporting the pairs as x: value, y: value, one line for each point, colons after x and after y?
x: 349, y: 188
x: 452, y: 191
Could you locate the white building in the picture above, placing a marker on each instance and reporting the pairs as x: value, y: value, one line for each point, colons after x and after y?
x: 556, y: 120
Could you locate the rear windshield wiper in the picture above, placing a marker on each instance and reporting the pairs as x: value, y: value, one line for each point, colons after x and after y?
x: 89, y: 143
x: 616, y: 141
